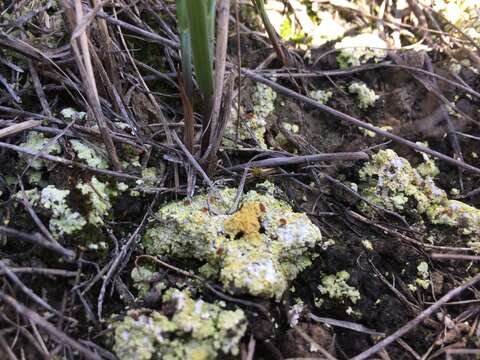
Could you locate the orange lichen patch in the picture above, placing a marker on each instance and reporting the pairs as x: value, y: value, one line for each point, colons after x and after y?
x: 245, y: 222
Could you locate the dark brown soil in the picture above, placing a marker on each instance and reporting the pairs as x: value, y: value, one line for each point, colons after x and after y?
x: 382, y: 275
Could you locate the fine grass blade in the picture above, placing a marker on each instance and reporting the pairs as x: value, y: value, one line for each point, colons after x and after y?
x: 272, y: 34
x: 201, y: 18
x: 185, y: 46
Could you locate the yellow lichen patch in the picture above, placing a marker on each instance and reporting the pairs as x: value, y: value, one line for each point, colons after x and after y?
x: 256, y: 250
x: 244, y: 223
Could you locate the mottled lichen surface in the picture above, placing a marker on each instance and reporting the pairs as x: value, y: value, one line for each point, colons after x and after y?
x: 390, y: 181
x: 38, y: 142
x: 256, y: 250
x: 57, y: 203
x: 336, y: 287
x: 253, y: 121
x: 197, y: 330
x: 366, y: 97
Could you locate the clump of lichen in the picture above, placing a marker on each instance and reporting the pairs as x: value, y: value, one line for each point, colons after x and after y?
x: 88, y: 155
x: 282, y: 138
x: 336, y: 287
x: 72, y: 114
x: 322, y: 96
x: 257, y: 249
x: 252, y: 126
x: 63, y: 219
x: 98, y: 195
x: 196, y: 330
x: 390, y: 181
x: 359, y: 49
x: 37, y: 142
x: 366, y: 96
x: 56, y: 203
x: 423, y: 279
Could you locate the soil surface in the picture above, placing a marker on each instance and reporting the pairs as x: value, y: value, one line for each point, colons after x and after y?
x: 61, y: 290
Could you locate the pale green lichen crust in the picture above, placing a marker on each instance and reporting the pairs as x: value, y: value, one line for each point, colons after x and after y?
x: 366, y: 96
x: 322, y: 96
x: 423, y: 279
x: 336, y: 287
x: 197, y: 330
x: 295, y: 312
x: 37, y: 142
x: 256, y: 250
x: 88, y: 155
x: 253, y: 124
x: 390, y: 181
x: 98, y: 196
x: 63, y: 219
x: 72, y: 114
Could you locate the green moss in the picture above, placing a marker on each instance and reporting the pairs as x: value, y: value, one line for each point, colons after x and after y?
x: 337, y: 288
x: 197, y: 330
x: 289, y: 32
x: 390, y: 181
x: 256, y: 250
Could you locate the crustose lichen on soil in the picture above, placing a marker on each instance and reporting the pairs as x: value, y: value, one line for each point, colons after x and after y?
x: 256, y: 250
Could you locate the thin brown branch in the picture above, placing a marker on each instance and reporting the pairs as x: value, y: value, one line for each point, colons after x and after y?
x: 305, y: 159
x: 16, y: 128
x: 37, y: 239
x: 223, y: 16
